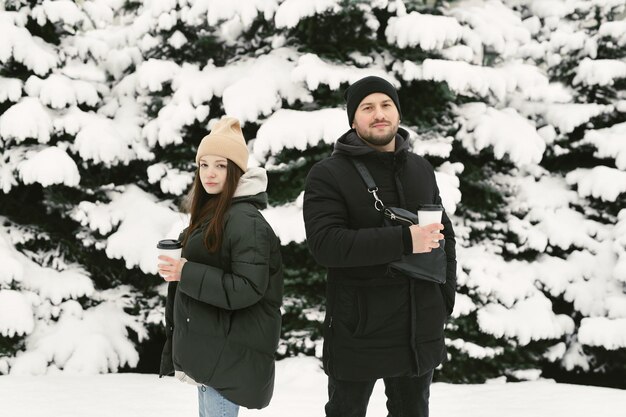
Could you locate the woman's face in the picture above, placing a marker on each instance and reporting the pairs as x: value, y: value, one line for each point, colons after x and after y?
x: 212, y: 169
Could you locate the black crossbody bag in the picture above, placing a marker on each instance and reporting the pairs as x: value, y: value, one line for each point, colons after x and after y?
x: 429, y: 266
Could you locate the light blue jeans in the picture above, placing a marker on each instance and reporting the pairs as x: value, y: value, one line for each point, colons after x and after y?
x: 212, y: 404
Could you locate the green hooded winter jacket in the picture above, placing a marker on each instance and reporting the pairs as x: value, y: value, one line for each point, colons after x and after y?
x: 223, y: 318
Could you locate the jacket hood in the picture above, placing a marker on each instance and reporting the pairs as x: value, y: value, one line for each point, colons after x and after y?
x: 351, y: 144
x: 252, y: 187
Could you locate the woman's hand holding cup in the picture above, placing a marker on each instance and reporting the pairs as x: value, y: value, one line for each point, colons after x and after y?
x: 169, y: 252
x: 172, y: 269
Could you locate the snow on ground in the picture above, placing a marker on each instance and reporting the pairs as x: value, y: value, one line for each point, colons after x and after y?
x: 300, y: 391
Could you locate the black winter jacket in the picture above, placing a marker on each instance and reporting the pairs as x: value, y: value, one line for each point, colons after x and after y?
x: 223, y: 318
x: 376, y: 325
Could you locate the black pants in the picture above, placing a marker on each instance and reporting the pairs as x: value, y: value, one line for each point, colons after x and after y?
x: 406, y: 396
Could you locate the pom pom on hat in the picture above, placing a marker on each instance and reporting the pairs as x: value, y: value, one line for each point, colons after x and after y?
x: 225, y: 140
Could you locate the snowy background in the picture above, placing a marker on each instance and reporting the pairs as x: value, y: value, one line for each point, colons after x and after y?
x: 519, y: 104
x: 300, y: 390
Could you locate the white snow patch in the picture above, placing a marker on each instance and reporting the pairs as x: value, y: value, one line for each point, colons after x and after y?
x: 601, y: 331
x: 287, y: 222
x: 64, y: 11
x: 217, y: 11
x: 300, y: 385
x: 495, y: 24
x: 463, y: 305
x: 16, y: 314
x: 505, y: 130
x: 615, y: 30
x: 448, y: 184
x: 56, y: 286
x: 528, y: 320
x: 429, y: 32
x: 95, y: 341
x: 599, y: 182
x: 141, y: 221
x: 59, y: 91
x: 153, y: 73
x: 47, y: 166
x: 291, y: 12
x: 566, y: 117
x: 177, y: 40
x: 292, y: 129
x: 473, y: 350
x: 32, y: 51
x: 601, y: 72
x: 26, y: 119
x: 10, y: 89
x: 312, y: 70
x: 610, y: 143
x: 438, y: 146
x: 171, y: 180
x: 467, y: 79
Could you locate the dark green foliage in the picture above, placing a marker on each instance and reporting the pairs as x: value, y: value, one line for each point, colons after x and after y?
x: 15, y: 5
x: 49, y: 31
x: 9, y: 346
x: 480, y: 194
x: 303, y: 277
x: 608, y: 369
x: 426, y: 104
x: 149, y: 350
x: 296, y: 166
x: 324, y: 97
x: 202, y: 45
x: 14, y: 69
x: 334, y: 36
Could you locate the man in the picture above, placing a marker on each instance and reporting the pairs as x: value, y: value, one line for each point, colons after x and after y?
x: 377, y: 325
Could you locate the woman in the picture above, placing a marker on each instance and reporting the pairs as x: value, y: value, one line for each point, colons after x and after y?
x: 223, y: 305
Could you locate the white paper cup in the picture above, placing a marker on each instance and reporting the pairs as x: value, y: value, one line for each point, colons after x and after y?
x: 170, y: 247
x: 429, y: 214
x: 172, y: 253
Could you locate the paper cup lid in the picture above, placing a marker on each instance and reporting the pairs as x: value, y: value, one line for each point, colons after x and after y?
x: 430, y: 207
x: 169, y: 244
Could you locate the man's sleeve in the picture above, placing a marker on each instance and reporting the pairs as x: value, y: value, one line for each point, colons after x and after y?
x: 330, y: 240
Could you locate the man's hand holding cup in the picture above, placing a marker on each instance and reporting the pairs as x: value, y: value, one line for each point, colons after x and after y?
x: 427, y: 234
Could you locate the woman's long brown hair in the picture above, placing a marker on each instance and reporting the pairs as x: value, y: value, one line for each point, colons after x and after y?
x: 202, y: 205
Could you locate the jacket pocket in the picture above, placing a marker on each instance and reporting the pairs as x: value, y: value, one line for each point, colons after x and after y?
x: 346, y: 309
x: 361, y: 315
x: 373, y: 312
x: 384, y: 313
x: 204, y: 318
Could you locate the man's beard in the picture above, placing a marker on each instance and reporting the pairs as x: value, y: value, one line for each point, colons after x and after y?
x: 379, y: 140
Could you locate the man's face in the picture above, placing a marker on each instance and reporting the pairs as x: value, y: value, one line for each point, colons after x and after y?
x: 376, y: 119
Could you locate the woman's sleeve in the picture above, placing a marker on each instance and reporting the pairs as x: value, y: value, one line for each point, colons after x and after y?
x: 249, y: 241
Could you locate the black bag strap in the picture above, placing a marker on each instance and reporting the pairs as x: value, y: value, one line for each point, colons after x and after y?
x: 369, y: 182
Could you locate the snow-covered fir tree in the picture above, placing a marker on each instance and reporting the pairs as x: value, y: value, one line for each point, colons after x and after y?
x: 65, y: 303
x: 520, y: 105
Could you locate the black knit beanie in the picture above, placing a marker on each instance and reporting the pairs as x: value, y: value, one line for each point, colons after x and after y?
x: 363, y: 88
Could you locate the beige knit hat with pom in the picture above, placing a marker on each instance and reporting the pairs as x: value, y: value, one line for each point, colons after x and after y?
x: 225, y: 140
